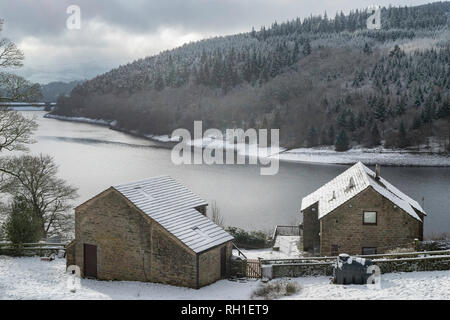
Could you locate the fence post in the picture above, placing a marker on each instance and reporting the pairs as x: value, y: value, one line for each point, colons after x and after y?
x: 416, y: 244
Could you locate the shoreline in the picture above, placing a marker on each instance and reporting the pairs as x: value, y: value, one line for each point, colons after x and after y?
x: 319, y: 155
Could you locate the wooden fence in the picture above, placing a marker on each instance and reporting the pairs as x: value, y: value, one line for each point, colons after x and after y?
x: 253, y: 269
x: 39, y: 248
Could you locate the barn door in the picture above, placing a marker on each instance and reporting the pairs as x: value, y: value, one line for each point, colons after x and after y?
x: 223, y: 262
x: 90, y: 261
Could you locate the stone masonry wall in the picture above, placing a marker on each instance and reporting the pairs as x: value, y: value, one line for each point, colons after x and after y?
x: 344, y: 226
x: 311, y: 229
x: 130, y: 246
x: 209, y: 264
x: 109, y: 223
x: 172, y: 263
x: 386, y: 266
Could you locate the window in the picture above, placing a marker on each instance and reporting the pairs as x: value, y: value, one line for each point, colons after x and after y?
x: 370, y: 217
x: 369, y: 251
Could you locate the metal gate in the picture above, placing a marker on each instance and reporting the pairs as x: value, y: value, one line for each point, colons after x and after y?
x: 253, y: 269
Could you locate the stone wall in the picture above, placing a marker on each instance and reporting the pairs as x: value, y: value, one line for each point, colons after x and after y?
x: 238, y: 266
x: 70, y: 254
x: 311, y: 229
x: 172, y: 263
x: 210, y: 266
x: 386, y: 266
x: 414, y: 264
x: 302, y: 270
x: 130, y: 246
x: 112, y: 225
x: 344, y: 226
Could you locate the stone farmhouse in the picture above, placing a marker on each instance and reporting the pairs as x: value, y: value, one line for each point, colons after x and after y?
x: 153, y: 230
x: 359, y: 212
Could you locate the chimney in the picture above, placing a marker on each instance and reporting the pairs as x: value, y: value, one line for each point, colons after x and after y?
x: 377, y: 172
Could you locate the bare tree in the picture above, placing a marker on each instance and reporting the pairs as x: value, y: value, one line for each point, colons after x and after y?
x: 10, y: 55
x: 15, y: 129
x: 16, y: 88
x: 34, y: 178
x: 215, y: 215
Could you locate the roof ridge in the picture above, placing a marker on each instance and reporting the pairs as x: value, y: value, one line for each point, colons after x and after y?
x: 361, y: 177
x: 143, y: 180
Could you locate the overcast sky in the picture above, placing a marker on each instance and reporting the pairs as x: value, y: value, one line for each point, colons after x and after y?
x: 115, y: 32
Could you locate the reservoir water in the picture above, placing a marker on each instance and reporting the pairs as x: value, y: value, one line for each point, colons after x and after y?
x: 93, y: 158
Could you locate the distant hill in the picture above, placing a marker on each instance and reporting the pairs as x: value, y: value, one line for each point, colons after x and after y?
x: 321, y: 81
x: 52, y: 90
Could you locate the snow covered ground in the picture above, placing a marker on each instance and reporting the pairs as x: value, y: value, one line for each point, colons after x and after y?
x: 31, y: 278
x: 80, y: 119
x: 288, y: 249
x: 396, y: 286
x: 367, y: 156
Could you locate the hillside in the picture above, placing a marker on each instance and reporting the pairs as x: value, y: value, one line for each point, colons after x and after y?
x: 51, y: 91
x: 321, y: 81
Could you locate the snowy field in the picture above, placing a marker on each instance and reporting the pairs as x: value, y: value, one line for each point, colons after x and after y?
x: 31, y: 278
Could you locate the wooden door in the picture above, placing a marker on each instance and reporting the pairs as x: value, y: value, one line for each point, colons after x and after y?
x: 223, y: 262
x: 90, y: 261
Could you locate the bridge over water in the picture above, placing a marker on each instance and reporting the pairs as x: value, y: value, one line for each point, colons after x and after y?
x: 29, y: 106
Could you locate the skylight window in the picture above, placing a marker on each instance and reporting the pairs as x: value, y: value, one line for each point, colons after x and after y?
x: 144, y: 193
x: 201, y: 233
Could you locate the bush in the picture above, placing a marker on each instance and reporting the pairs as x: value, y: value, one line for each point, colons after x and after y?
x: 21, y: 225
x: 400, y: 250
x: 252, y: 239
x: 275, y: 289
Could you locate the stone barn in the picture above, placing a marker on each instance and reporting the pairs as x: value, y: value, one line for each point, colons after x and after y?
x: 153, y: 230
x: 359, y: 212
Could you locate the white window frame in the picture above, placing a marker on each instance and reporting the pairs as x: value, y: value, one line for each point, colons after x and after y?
x: 371, y: 216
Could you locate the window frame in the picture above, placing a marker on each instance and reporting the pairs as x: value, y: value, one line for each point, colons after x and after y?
x: 370, y: 223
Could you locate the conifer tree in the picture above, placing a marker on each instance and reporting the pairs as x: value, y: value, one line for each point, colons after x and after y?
x: 342, y: 141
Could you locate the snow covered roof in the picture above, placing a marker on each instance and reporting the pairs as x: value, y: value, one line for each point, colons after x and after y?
x: 172, y: 206
x: 350, y: 183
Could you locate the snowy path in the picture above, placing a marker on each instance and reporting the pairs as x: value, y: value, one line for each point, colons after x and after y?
x: 30, y: 278
x: 288, y: 245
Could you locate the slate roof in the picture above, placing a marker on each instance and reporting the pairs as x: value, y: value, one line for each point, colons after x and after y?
x: 172, y: 206
x: 350, y: 183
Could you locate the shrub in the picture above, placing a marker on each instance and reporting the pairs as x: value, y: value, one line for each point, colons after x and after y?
x: 22, y: 225
x: 400, y: 250
x: 275, y: 289
x: 291, y: 288
x: 250, y: 239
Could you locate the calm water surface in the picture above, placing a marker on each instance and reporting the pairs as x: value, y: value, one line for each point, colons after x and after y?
x: 93, y: 158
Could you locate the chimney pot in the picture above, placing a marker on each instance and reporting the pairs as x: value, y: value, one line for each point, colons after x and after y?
x: 377, y: 172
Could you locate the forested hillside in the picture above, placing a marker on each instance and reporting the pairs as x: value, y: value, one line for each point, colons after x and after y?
x: 321, y: 81
x: 51, y: 91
